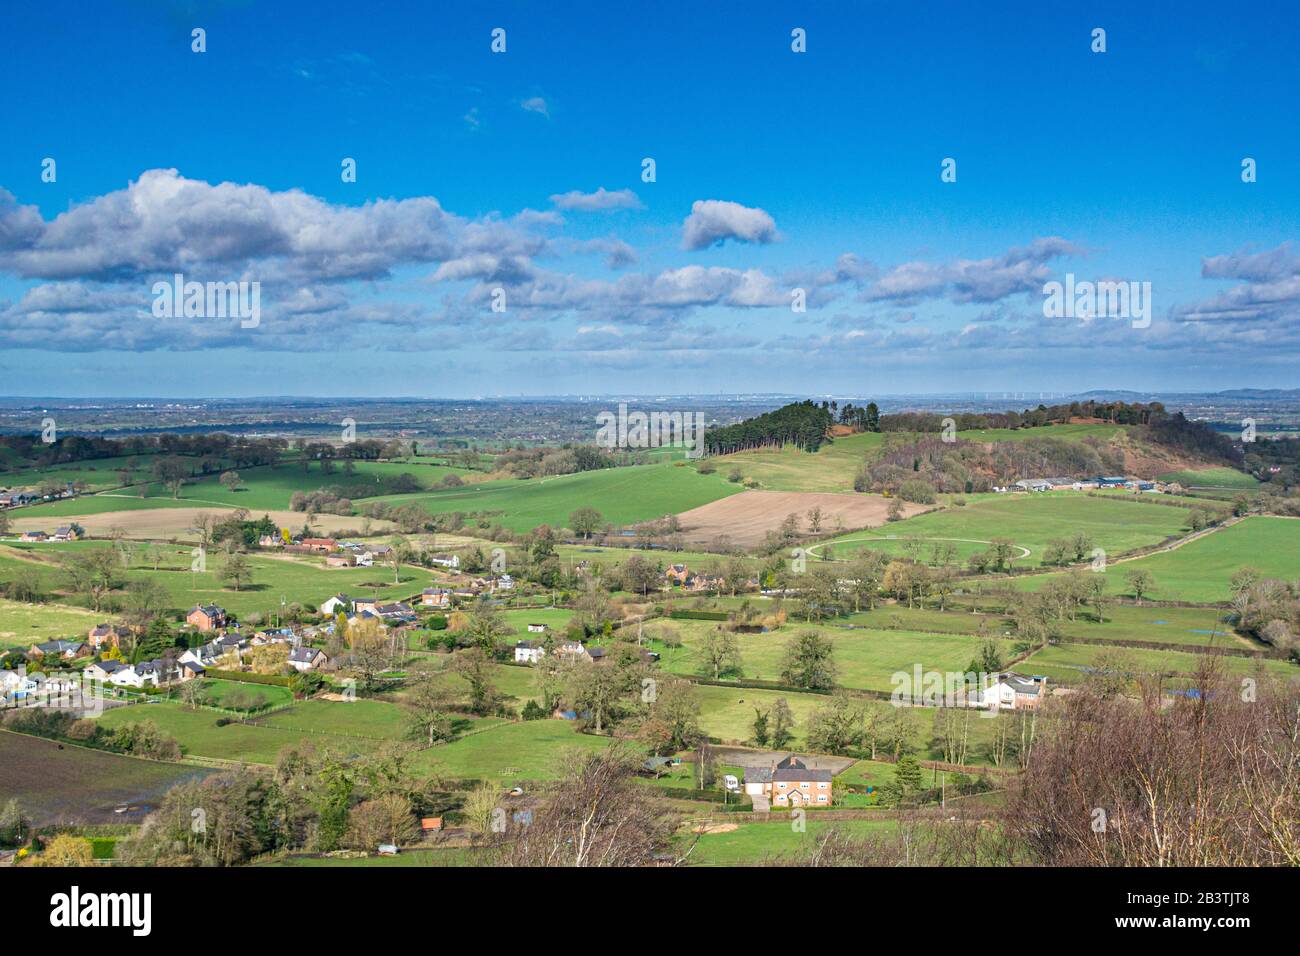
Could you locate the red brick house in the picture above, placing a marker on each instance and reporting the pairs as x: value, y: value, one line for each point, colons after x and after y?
x: 206, y: 617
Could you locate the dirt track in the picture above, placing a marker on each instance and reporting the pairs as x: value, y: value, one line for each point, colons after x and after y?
x: 747, y: 517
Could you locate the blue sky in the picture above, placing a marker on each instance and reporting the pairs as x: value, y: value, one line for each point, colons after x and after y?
x: 775, y: 170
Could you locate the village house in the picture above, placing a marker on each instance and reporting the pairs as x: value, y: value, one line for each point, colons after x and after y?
x: 16, y: 685
x: 189, y: 670
x: 529, y: 652
x: 339, y: 602
x: 321, y: 545
x: 103, y: 671
x: 536, y: 628
x: 67, y: 650
x: 102, y: 635
x: 1009, y: 691
x: 435, y: 597
x: 574, y: 650
x: 679, y: 574
x: 33, y: 536
x: 307, y: 658
x: 206, y: 617
x: 66, y: 533
x: 446, y: 560
x: 790, y: 783
x: 341, y: 560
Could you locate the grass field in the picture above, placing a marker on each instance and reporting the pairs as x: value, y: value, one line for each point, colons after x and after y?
x: 757, y: 843
x: 830, y: 468
x: 621, y: 495
x: 305, y: 581
x: 1164, y: 625
x: 532, y: 750
x: 1030, y: 521
x: 22, y: 625
x: 74, y: 785
x: 198, y: 734
x: 1070, y: 663
x: 1073, y: 430
x: 1200, y: 570
x: 866, y: 659
x: 218, y: 692
x: 1212, y: 478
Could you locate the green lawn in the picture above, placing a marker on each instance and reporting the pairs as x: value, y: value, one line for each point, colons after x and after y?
x: 218, y: 692
x: 621, y: 495
x: 375, y: 719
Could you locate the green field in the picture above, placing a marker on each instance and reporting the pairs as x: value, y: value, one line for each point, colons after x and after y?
x: 1200, y: 570
x: 22, y: 625
x: 218, y: 692
x: 1070, y: 663
x: 1163, y: 625
x: 1030, y: 521
x: 531, y: 750
x: 1212, y: 478
x: 866, y: 659
x: 306, y: 581
x: 622, y: 496
x: 831, y: 468
x: 1073, y: 430
x: 198, y: 734
x: 757, y: 843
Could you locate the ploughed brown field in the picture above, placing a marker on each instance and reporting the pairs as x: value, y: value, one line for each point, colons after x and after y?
x: 746, y: 518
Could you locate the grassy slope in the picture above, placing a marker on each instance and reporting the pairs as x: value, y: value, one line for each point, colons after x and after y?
x: 621, y: 495
x: 1031, y: 521
x: 1200, y: 570
x: 1212, y: 478
x: 307, y: 582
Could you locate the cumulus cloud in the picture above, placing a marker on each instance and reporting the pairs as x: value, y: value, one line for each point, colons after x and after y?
x: 1269, y: 292
x: 714, y: 221
x: 1015, y: 272
x: 601, y: 200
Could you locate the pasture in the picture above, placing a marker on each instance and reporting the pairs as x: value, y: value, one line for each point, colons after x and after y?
x: 531, y: 750
x: 866, y: 659
x: 622, y: 496
x: 22, y: 625
x: 1030, y: 521
x: 1200, y: 571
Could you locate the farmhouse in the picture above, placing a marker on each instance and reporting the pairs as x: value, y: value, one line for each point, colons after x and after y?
x: 1010, y: 691
x: 66, y: 533
x: 790, y: 783
x: 529, y: 652
x: 322, y: 545
x: 307, y: 658
x: 340, y: 560
x: 33, y: 536
x: 446, y: 560
x: 206, y: 617
x: 1033, y: 484
x: 679, y: 574
x: 103, y: 670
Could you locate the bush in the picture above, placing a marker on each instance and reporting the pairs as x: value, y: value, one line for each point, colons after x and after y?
x: 533, y: 711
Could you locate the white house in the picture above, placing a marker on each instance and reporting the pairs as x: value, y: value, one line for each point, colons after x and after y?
x: 307, y: 658
x: 339, y: 602
x: 1008, y: 691
x: 446, y: 560
x: 529, y: 652
x: 15, y: 685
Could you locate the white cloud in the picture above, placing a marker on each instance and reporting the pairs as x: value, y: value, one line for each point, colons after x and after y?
x: 535, y: 104
x: 601, y: 200
x: 713, y: 221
